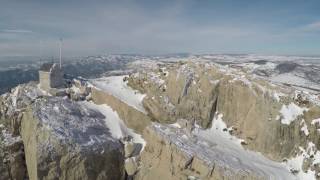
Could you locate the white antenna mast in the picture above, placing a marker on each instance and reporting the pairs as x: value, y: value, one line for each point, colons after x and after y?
x: 41, y: 53
x: 60, y: 53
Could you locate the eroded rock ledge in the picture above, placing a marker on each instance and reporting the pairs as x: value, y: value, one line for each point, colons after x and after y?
x: 173, y: 153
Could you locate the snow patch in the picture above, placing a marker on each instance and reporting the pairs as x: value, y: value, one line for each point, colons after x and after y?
x: 9, y: 139
x: 116, y: 86
x: 304, y: 127
x: 117, y: 127
x: 177, y: 125
x: 220, y: 128
x: 242, y: 79
x: 315, y: 121
x: 295, y: 164
x: 214, y: 82
x: 290, y: 113
x: 15, y: 96
x: 277, y: 95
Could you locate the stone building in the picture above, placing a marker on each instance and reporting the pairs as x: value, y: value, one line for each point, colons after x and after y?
x: 50, y: 76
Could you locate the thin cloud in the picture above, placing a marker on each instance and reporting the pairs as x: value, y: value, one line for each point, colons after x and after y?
x: 16, y: 31
x: 315, y: 26
x: 129, y: 27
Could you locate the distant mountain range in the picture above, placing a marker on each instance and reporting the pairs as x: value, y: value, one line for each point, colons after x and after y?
x: 14, y: 71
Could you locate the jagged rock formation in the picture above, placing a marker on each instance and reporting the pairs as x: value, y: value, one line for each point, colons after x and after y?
x: 12, y: 157
x: 274, y: 120
x: 47, y: 137
x: 12, y: 106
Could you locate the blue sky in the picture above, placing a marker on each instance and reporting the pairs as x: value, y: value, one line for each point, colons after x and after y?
x: 33, y: 27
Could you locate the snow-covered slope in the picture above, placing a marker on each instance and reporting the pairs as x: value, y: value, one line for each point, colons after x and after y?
x: 217, y: 148
x: 228, y: 148
x: 116, y: 86
x: 117, y: 127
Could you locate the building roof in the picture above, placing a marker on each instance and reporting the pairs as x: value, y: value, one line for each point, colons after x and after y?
x: 46, y: 67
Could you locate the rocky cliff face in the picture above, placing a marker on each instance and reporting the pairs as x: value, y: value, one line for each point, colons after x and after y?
x: 12, y: 106
x: 275, y: 120
x: 172, y: 154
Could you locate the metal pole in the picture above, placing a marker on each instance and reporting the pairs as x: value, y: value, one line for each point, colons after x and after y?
x: 60, y: 53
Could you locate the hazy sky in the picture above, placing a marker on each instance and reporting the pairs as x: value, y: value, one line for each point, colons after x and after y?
x: 33, y: 27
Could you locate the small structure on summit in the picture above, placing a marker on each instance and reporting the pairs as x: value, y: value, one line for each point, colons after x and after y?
x: 51, y: 76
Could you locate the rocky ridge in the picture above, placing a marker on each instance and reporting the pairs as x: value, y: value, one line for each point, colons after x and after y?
x: 202, y: 113
x: 275, y: 120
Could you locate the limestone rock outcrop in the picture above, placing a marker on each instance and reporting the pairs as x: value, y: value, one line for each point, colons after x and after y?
x: 12, y: 106
x: 131, y: 166
x: 12, y: 157
x: 273, y: 119
x: 173, y: 154
x: 64, y: 140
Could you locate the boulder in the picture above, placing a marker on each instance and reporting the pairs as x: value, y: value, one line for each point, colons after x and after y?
x: 132, y: 149
x: 131, y: 166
